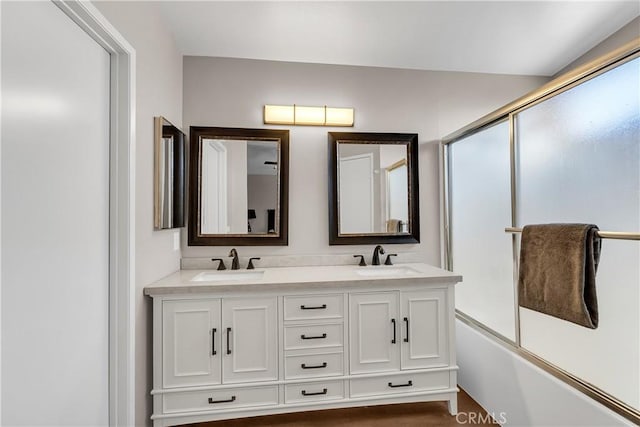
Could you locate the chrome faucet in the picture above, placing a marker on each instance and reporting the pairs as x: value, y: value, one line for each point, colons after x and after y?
x: 376, y: 255
x: 235, y: 264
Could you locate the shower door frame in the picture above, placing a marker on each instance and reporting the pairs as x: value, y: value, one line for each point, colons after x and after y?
x: 563, y: 83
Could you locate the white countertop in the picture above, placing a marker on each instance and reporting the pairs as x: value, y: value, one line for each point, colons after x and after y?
x: 289, y: 277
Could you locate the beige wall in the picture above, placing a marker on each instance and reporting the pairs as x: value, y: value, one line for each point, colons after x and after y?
x: 231, y: 92
x: 619, y: 38
x: 158, y: 93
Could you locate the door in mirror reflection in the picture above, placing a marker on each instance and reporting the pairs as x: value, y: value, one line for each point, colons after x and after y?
x: 238, y: 187
x: 373, y: 188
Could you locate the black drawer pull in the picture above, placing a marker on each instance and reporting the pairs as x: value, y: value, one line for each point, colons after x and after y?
x: 228, y: 336
x: 393, y: 341
x: 213, y: 402
x: 213, y: 341
x: 409, y: 384
x: 324, y: 391
x: 406, y: 321
x: 319, y: 307
x: 318, y: 337
x: 304, y: 366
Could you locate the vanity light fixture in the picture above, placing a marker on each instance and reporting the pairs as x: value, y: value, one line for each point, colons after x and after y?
x: 309, y: 116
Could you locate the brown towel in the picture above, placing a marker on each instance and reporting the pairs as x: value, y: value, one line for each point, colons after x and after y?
x: 558, y: 264
x: 393, y: 225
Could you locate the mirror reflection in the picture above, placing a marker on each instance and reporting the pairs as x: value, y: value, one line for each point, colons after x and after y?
x: 238, y: 188
x: 169, y: 179
x: 373, y: 188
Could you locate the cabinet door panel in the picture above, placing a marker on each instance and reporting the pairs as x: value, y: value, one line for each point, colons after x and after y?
x: 187, y: 346
x: 373, y: 324
x: 426, y: 344
x: 250, y: 339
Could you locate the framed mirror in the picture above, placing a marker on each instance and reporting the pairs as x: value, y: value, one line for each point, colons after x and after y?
x: 238, y: 187
x: 169, y: 175
x: 373, y: 188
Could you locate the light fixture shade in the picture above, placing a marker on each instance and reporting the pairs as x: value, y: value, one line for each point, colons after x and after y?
x: 339, y: 116
x: 309, y: 116
x: 279, y: 114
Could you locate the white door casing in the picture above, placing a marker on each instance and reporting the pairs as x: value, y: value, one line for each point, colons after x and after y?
x: 214, y: 207
x: 356, y: 194
x: 121, y: 209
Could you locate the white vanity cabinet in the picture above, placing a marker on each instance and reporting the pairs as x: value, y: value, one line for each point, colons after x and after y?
x: 219, y: 341
x: 300, y: 339
x: 382, y: 336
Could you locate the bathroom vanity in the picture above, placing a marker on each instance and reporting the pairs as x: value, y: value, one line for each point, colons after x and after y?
x: 256, y: 342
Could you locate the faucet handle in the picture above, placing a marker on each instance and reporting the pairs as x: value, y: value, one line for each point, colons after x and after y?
x: 221, y: 265
x: 362, y: 263
x: 388, y: 260
x: 250, y: 266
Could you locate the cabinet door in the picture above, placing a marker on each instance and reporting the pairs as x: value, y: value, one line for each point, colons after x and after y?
x: 424, y: 329
x: 374, y: 332
x: 190, y: 337
x: 250, y: 339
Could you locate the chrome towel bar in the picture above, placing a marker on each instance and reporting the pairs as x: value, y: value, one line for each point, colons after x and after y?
x: 620, y: 235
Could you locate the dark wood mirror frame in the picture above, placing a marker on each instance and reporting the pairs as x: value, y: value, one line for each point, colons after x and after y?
x: 195, y: 237
x: 408, y: 139
x: 170, y: 215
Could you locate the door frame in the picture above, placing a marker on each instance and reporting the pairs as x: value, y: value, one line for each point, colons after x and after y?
x: 369, y: 157
x: 221, y: 203
x: 121, y: 206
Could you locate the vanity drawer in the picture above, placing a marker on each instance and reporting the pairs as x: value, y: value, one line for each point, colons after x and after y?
x: 396, y: 384
x: 313, y: 365
x: 313, y: 336
x: 208, y: 400
x: 313, y: 392
x: 313, y: 307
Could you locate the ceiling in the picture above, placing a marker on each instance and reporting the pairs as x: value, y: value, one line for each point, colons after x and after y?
x: 504, y: 37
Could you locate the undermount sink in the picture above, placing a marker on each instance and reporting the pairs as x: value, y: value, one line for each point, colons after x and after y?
x: 227, y: 276
x: 386, y: 271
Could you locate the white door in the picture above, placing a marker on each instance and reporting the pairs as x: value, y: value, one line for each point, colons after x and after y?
x: 374, y: 332
x: 356, y: 194
x: 191, y: 342
x: 250, y: 340
x: 55, y: 223
x: 424, y: 329
x: 213, y: 219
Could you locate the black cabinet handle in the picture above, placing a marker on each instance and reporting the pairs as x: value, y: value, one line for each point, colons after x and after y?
x: 305, y: 366
x: 409, y: 384
x: 213, y: 402
x: 393, y: 341
x: 318, y: 337
x: 324, y: 391
x: 406, y: 322
x: 213, y: 341
x: 319, y: 307
x: 228, y: 335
